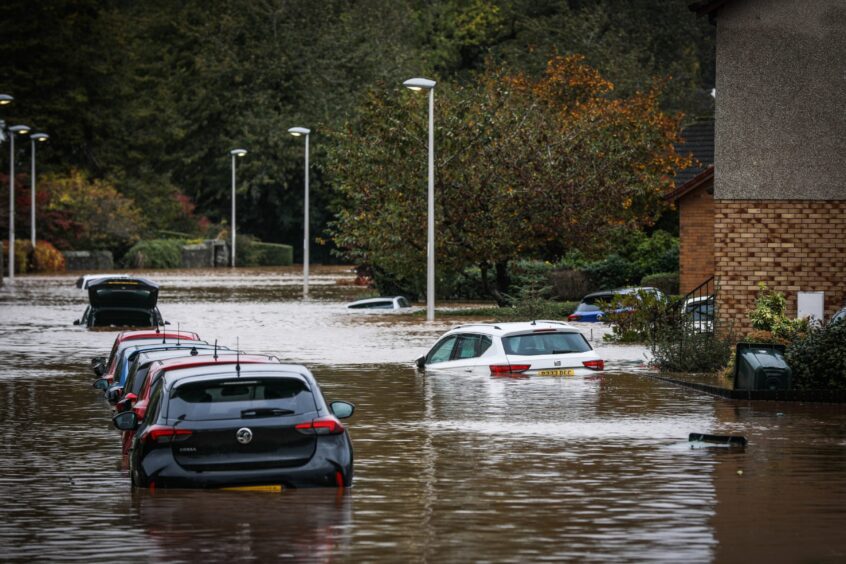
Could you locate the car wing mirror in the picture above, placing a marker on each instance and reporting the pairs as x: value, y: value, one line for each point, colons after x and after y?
x: 126, y: 421
x: 101, y: 384
x: 100, y: 369
x: 130, y: 398
x: 342, y: 409
x: 421, y: 362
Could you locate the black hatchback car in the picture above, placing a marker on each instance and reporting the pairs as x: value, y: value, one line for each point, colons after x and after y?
x: 122, y: 301
x: 259, y: 425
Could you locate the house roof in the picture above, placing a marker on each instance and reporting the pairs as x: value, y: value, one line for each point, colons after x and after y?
x: 701, y: 179
x: 697, y: 139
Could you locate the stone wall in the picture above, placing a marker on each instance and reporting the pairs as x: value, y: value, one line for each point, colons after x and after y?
x: 696, y: 238
x: 91, y: 261
x: 791, y: 245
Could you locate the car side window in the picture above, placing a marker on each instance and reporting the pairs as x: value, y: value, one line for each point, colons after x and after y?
x: 153, y: 407
x: 442, y: 351
x: 467, y: 347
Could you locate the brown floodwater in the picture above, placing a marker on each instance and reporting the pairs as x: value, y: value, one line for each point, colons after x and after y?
x: 449, y: 467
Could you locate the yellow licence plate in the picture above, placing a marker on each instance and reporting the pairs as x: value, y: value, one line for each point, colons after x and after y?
x: 559, y: 372
x: 273, y: 488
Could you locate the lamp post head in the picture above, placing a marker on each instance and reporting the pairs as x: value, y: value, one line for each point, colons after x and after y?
x: 20, y: 129
x: 297, y: 131
x: 238, y: 152
x: 42, y: 137
x: 418, y: 84
x: 6, y: 99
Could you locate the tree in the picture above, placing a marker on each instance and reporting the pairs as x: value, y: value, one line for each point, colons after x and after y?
x: 525, y: 167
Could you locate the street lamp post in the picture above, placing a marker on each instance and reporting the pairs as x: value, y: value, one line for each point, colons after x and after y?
x: 418, y: 84
x: 297, y: 132
x: 41, y: 138
x: 20, y: 130
x: 235, y: 153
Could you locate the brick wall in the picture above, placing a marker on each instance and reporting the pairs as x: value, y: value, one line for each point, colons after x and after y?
x: 696, y: 236
x: 791, y: 245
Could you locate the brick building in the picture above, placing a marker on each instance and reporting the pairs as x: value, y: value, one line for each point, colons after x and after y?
x: 779, y: 168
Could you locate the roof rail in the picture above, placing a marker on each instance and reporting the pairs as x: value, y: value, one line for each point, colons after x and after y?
x: 552, y: 321
x: 477, y: 325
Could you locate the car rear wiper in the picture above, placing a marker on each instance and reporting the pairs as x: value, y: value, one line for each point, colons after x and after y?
x: 562, y: 351
x: 265, y: 412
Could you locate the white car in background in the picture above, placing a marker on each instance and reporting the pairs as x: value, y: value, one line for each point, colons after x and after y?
x: 536, y: 348
x: 397, y: 302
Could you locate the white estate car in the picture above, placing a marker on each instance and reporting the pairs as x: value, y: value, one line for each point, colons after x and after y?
x: 536, y: 348
x: 397, y: 302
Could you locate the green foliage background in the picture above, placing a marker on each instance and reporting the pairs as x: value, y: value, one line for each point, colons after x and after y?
x: 149, y: 96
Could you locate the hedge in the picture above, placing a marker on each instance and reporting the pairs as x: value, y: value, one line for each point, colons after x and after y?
x: 667, y: 282
x: 155, y: 253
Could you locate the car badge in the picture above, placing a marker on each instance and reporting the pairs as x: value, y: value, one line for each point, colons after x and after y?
x: 557, y: 363
x: 244, y: 435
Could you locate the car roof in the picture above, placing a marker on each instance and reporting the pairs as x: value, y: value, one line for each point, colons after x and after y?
x: 152, y: 349
x: 227, y: 371
x: 374, y: 300
x: 620, y: 291
x: 541, y: 325
x: 156, y: 334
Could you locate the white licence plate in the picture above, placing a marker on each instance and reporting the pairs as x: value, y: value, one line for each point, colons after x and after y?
x: 559, y: 372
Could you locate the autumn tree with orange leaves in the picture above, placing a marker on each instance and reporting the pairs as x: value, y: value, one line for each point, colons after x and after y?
x: 525, y: 168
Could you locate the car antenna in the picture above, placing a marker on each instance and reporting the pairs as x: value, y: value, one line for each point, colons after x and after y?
x: 215, y: 350
x: 238, y: 356
x: 194, y: 351
x: 164, y: 334
x: 178, y: 329
x: 534, y: 322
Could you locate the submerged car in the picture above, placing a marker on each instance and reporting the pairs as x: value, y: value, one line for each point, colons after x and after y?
x: 396, y: 302
x: 102, y: 365
x: 590, y: 308
x: 121, y: 301
x: 537, y: 348
x: 260, y: 425
x: 699, y: 312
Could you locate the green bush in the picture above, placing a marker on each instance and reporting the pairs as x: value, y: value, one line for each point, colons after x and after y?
x: 154, y: 253
x: 273, y: 254
x: 640, y: 315
x: 667, y: 282
x: 818, y: 359
x: 612, y: 272
x: 569, y: 284
x: 680, y: 348
x: 770, y: 314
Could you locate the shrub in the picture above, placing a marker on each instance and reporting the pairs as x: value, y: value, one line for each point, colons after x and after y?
x: 612, y: 272
x: 769, y: 314
x: 818, y: 358
x: 679, y: 348
x: 155, y: 253
x: 273, y: 254
x: 23, y: 248
x: 667, y: 282
x: 569, y: 284
x: 640, y: 316
x: 46, y: 258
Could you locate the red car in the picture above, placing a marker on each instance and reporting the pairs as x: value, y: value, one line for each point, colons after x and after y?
x: 105, y: 368
x: 160, y: 368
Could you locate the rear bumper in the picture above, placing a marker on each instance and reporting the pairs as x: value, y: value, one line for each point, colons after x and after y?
x: 333, y: 454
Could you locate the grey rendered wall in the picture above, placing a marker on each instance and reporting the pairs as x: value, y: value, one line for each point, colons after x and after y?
x: 781, y: 100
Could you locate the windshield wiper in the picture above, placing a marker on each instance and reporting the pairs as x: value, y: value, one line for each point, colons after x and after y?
x: 265, y: 412
x: 561, y: 351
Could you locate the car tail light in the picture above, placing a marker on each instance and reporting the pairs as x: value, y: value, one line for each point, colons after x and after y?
x: 322, y: 426
x: 572, y: 317
x: 509, y: 368
x: 163, y: 434
x: 595, y: 364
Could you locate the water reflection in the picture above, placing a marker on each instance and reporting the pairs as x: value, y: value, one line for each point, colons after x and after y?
x: 450, y: 467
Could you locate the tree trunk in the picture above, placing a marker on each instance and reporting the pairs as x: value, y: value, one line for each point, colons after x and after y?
x: 502, y: 283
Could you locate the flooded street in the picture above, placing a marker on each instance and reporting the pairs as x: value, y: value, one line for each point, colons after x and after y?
x: 449, y: 467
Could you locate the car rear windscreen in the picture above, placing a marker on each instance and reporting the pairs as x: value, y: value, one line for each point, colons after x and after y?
x: 122, y: 318
x: 545, y: 343
x: 384, y: 304
x: 241, y: 399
